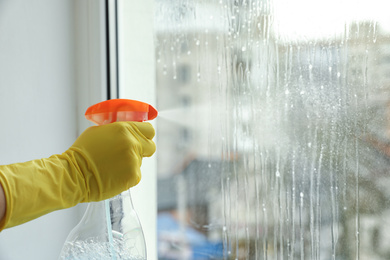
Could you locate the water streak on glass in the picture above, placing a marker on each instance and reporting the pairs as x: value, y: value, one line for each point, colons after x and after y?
x: 275, y: 119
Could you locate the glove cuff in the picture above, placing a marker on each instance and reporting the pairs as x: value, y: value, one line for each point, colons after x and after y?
x: 38, y: 187
x: 8, y: 202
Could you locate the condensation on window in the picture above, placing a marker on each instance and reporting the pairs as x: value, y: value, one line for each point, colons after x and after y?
x: 274, y: 129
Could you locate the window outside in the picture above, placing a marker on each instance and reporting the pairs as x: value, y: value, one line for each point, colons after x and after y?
x: 273, y: 133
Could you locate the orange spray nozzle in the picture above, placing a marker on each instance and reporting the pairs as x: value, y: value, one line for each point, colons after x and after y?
x: 115, y: 110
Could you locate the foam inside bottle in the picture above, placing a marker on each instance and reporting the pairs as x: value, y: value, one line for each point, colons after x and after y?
x: 108, y: 230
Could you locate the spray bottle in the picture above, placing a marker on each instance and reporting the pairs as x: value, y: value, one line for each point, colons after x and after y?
x: 110, y: 229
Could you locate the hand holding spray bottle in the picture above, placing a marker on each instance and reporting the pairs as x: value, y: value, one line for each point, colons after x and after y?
x: 110, y: 229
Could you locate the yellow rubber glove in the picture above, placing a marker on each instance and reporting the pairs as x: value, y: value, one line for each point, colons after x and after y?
x: 103, y: 162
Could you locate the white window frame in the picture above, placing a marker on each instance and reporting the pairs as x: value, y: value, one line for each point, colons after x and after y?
x: 120, y: 66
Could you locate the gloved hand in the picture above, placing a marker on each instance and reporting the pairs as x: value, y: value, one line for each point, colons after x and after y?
x: 103, y: 162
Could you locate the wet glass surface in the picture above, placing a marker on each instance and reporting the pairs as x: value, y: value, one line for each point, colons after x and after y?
x: 273, y: 132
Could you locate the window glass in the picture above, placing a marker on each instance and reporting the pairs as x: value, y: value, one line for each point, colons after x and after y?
x: 273, y: 133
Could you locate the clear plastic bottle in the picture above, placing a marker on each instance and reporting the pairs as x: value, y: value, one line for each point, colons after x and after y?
x: 110, y: 229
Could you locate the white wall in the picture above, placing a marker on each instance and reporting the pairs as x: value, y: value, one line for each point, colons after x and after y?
x: 37, y: 108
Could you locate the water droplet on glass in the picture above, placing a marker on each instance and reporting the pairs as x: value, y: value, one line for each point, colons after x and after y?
x: 165, y: 70
x: 243, y: 49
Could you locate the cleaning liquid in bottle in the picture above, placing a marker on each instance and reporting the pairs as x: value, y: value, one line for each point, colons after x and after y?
x: 110, y: 229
